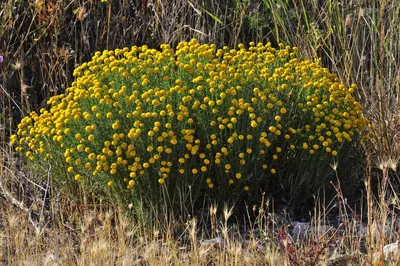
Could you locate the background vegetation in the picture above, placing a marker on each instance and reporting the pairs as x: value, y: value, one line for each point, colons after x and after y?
x: 41, y: 42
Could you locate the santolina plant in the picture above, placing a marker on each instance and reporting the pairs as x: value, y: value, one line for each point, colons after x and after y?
x: 223, y: 122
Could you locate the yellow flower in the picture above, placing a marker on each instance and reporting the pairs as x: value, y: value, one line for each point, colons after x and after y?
x: 272, y: 129
x: 115, y: 125
x: 150, y: 148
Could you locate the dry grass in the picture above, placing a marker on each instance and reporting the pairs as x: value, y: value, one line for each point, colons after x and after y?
x: 57, y: 231
x: 67, y: 233
x: 105, y: 238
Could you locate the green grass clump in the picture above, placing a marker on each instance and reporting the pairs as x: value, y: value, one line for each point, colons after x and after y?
x: 226, y: 123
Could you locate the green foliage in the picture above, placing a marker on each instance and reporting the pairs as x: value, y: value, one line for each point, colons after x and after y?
x: 195, y: 122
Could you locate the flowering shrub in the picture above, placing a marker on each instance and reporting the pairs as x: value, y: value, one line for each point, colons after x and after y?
x: 224, y: 122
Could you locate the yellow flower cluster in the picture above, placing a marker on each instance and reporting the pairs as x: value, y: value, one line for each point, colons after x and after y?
x: 196, y: 113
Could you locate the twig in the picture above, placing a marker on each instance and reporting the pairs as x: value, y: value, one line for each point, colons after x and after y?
x: 339, y: 194
x: 11, y: 98
x: 46, y: 190
x: 326, y: 243
x: 26, y: 178
x: 18, y: 204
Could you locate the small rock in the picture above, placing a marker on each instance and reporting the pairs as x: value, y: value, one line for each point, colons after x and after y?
x: 217, y: 242
x: 303, y: 229
x: 257, y: 245
x: 391, y: 253
x: 320, y: 230
x: 341, y: 260
x: 375, y: 231
x: 299, y: 229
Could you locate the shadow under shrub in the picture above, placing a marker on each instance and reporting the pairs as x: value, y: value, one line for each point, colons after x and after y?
x: 180, y: 125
